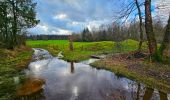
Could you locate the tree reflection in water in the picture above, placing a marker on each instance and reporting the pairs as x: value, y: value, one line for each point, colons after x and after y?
x: 139, y: 92
x: 72, y: 67
x: 148, y: 94
x: 35, y: 96
x: 163, y: 96
x: 32, y: 89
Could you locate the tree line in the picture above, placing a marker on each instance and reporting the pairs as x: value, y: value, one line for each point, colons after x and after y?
x: 117, y: 32
x: 48, y: 37
x: 16, y: 16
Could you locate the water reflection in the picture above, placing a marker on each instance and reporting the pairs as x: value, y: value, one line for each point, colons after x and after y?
x: 163, y: 96
x: 35, y: 96
x: 79, y: 81
x: 148, y: 94
x: 87, y: 62
x: 138, y: 91
x: 72, y: 67
x: 32, y: 89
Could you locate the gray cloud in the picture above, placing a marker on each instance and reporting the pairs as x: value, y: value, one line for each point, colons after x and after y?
x: 71, y: 15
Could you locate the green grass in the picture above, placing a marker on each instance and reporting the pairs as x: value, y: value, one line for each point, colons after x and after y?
x: 45, y: 42
x: 11, y: 63
x: 83, y: 50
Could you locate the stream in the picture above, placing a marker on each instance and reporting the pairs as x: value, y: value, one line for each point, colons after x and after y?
x: 50, y: 78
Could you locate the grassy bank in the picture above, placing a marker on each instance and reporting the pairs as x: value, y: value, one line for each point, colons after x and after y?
x: 11, y: 64
x: 83, y: 50
x: 155, y: 75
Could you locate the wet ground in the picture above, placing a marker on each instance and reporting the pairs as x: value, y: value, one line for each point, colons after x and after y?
x: 50, y: 78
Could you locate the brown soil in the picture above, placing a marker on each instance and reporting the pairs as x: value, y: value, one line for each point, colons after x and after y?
x: 142, y: 66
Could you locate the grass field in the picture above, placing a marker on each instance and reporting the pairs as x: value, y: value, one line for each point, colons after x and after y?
x: 83, y: 50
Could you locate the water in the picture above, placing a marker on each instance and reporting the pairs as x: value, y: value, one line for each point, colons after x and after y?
x: 50, y: 78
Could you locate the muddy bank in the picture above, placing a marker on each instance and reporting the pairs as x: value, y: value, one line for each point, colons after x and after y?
x: 155, y: 75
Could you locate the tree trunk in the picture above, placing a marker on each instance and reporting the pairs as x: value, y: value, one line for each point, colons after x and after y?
x: 149, y: 29
x: 71, y: 43
x: 14, y: 27
x: 140, y: 24
x: 165, y: 47
x: 6, y: 26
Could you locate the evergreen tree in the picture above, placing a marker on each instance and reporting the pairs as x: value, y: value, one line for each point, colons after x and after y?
x: 16, y: 17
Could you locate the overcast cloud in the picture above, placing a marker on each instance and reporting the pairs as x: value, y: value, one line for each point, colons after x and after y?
x: 67, y: 16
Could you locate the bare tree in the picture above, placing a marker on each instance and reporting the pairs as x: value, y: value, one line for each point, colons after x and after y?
x: 140, y: 24
x: 149, y: 29
x: 129, y: 9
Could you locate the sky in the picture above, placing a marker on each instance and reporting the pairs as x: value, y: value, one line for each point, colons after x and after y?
x: 163, y: 9
x: 63, y: 17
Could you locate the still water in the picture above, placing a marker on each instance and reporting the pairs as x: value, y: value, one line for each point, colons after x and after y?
x: 50, y: 78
